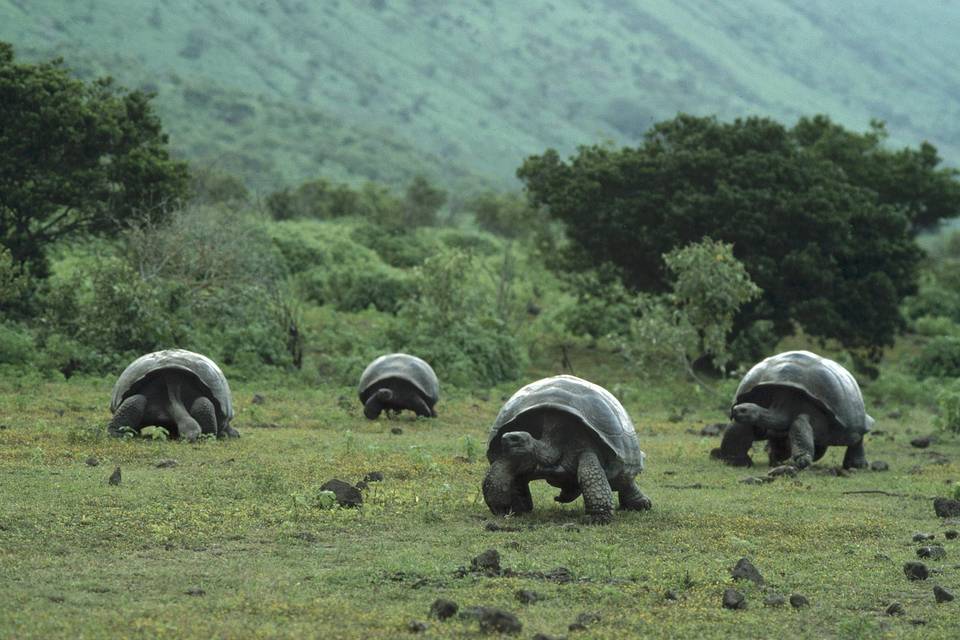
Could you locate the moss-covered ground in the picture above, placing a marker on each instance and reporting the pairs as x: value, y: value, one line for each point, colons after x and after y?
x: 231, y: 542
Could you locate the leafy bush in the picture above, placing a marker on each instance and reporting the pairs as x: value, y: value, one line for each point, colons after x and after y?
x: 939, y: 358
x: 16, y: 345
x: 948, y: 401
x: 379, y: 286
x: 603, y: 306
x: 397, y: 248
x: 893, y: 387
x: 936, y: 326
x: 508, y: 215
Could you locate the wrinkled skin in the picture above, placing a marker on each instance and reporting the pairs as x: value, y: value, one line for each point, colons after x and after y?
x: 174, y: 400
x: 797, y: 429
x: 396, y: 396
x: 555, y: 446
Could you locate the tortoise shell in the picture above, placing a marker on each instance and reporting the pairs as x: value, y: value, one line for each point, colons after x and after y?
x: 401, y: 366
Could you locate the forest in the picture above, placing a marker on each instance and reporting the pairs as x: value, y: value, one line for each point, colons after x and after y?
x: 662, y: 271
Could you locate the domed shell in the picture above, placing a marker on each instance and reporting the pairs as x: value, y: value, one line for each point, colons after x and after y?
x: 596, y: 408
x: 821, y: 379
x: 405, y: 367
x: 202, y: 367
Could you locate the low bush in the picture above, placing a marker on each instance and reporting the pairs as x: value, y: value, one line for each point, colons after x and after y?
x: 938, y: 358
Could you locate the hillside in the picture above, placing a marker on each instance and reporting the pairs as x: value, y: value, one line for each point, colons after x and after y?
x: 288, y: 90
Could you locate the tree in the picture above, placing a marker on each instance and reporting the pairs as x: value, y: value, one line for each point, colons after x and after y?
x: 826, y: 252
x: 76, y: 158
x: 907, y: 178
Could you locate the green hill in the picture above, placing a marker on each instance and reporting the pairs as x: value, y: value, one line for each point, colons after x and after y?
x: 287, y: 90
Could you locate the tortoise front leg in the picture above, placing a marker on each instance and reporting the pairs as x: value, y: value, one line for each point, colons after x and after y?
x: 779, y: 451
x: 631, y: 498
x: 523, y: 501
x: 801, y: 442
x: 735, y: 446
x: 129, y: 414
x: 597, y: 496
x: 855, y: 457
x: 500, y: 487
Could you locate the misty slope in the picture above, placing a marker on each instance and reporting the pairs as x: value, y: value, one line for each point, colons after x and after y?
x: 285, y: 90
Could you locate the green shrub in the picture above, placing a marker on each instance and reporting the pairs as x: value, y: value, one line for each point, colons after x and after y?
x: 397, y: 248
x: 893, y: 387
x: 931, y: 326
x: 16, y: 345
x: 948, y: 400
x: 380, y: 286
x: 939, y: 358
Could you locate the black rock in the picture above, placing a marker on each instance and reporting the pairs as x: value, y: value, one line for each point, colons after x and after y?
x: 362, y: 485
x: 756, y: 480
x: 798, y: 601
x: 916, y: 571
x: 115, y: 477
x: 946, y: 507
x: 195, y: 591
x: 671, y: 595
x: 895, y: 609
x: 950, y: 534
x: 714, y: 429
x: 934, y: 552
x: 744, y: 570
x: 488, y: 562
x: 583, y: 621
x: 166, y: 463
x: 92, y: 462
x: 896, y: 414
x: 733, y: 599
x: 923, y: 537
x: 942, y: 595
x: 347, y: 495
x: 560, y: 575
x: 415, y: 626
x: 396, y: 431
x: 528, y: 597
x: 783, y: 470
x: 490, y: 525
x: 499, y: 621
x: 543, y: 636
x: 879, y: 465
x: 373, y: 476
x: 257, y: 399
x: 921, y: 443
x: 442, y: 609
x: 774, y: 600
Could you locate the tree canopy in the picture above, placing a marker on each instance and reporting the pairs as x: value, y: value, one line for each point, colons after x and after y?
x: 829, y: 253
x: 76, y: 157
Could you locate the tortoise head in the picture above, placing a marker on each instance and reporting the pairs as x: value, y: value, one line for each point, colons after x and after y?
x: 746, y: 413
x: 521, y: 446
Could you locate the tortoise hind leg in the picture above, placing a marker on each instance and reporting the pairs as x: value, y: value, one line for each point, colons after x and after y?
x: 568, y: 494
x: 855, y: 457
x: 420, y: 406
x: 597, y: 496
x: 735, y: 446
x: 631, y: 498
x: 205, y: 414
x: 129, y: 414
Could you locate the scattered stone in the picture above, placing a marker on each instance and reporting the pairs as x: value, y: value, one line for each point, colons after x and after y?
x: 499, y: 621
x: 881, y: 556
x: 733, y: 599
x: 671, y: 594
x: 714, y: 429
x: 115, y: 477
x: 257, y: 399
x: 526, y: 596
x: 490, y: 525
x: 441, y: 609
x: 543, y: 636
x: 756, y: 480
x: 92, y: 461
x: 373, y: 476
x: 879, y: 465
x: 942, y: 595
x: 783, y: 470
x: 744, y: 570
x: 921, y: 443
x: 896, y: 414
x: 946, y: 507
x: 195, y: 591
x: 798, y: 601
x: 306, y: 536
x: 923, y: 537
x: 570, y: 527
x: 487, y: 562
x: 560, y: 575
x: 583, y: 621
x: 895, y: 609
x: 362, y: 485
x: 347, y: 495
x: 397, y: 431
x: 57, y: 599
x: 415, y: 626
x: 916, y: 571
x: 934, y: 552
x: 951, y: 534
x: 774, y: 600
x: 837, y: 472
x: 166, y: 463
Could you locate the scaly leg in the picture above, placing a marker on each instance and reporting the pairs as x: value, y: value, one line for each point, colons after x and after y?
x: 735, y: 446
x: 801, y: 442
x: 500, y: 487
x: 205, y: 414
x: 855, y: 457
x: 597, y: 496
x: 631, y: 498
x: 779, y: 451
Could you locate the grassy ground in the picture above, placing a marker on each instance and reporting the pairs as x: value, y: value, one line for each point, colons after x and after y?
x: 230, y: 543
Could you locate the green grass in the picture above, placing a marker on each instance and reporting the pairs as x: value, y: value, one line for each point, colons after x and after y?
x: 80, y: 558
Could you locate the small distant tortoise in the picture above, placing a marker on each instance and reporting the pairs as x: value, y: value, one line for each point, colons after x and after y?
x: 182, y: 391
x: 398, y: 381
x: 801, y: 403
x: 573, y: 434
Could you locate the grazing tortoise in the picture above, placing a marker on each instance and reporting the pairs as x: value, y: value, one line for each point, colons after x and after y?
x: 571, y: 433
x: 182, y: 391
x: 801, y: 403
x: 398, y: 381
